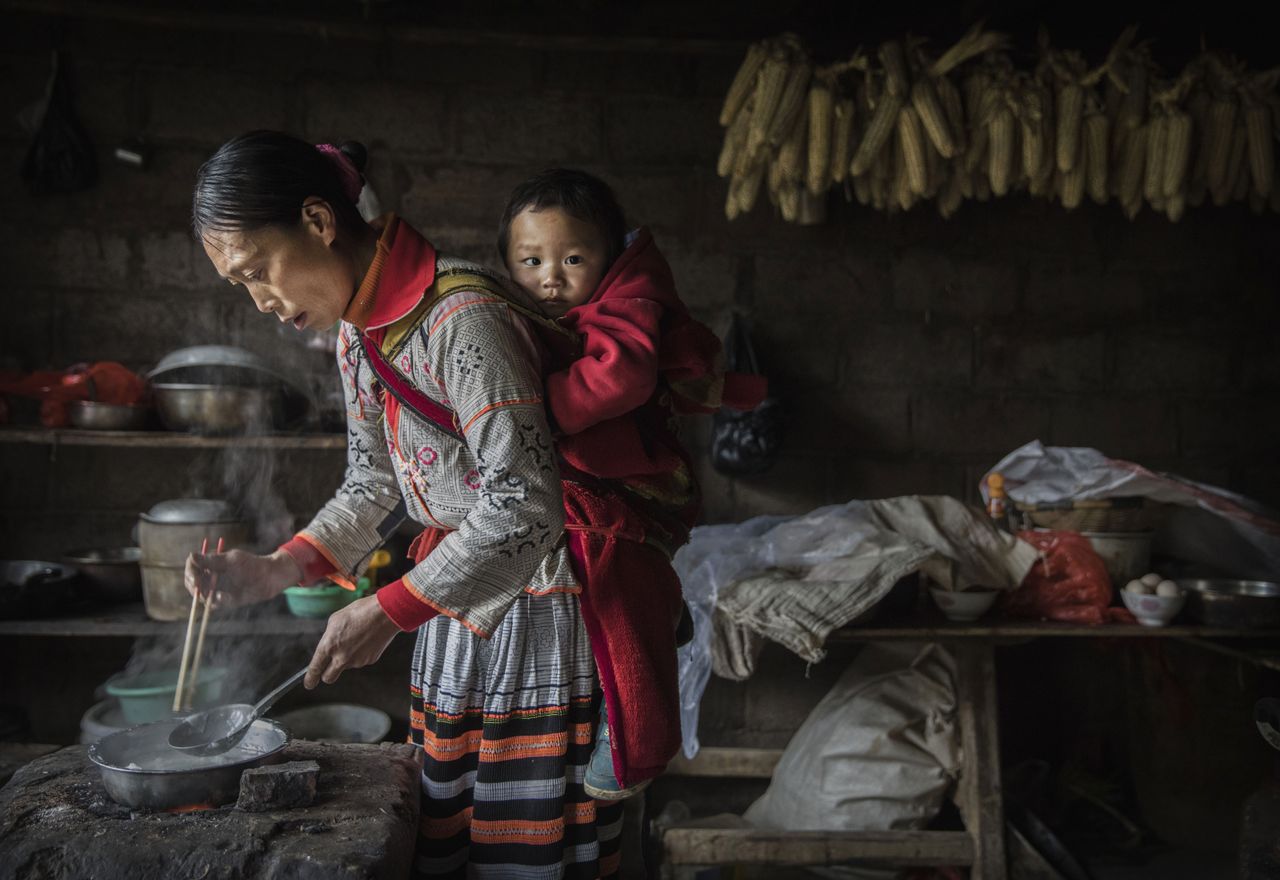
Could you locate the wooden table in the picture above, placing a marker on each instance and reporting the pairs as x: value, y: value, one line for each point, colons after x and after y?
x: 981, y: 846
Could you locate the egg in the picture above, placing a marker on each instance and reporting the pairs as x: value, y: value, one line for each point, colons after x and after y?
x: 1137, y: 586
x: 1167, y: 588
x: 1152, y: 580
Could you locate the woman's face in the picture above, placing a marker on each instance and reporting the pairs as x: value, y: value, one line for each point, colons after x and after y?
x: 293, y: 272
x: 556, y: 258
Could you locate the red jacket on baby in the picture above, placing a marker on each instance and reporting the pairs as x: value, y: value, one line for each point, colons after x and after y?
x: 644, y: 357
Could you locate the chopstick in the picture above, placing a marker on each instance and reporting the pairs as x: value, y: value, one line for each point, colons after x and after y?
x: 186, y: 645
x: 204, y: 623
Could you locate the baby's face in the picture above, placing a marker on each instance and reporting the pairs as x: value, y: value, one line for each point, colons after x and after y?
x: 556, y: 258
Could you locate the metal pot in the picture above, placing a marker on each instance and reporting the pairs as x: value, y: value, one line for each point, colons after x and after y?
x: 226, y: 366
x: 30, y: 588
x: 1233, y: 604
x: 140, y: 770
x: 167, y: 533
x: 111, y: 574
x: 95, y: 416
x: 218, y: 409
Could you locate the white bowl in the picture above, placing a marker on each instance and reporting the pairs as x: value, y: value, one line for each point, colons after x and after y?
x: 1152, y: 610
x: 963, y: 606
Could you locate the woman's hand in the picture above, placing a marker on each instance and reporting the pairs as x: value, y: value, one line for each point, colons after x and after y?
x: 240, y: 578
x: 356, y: 636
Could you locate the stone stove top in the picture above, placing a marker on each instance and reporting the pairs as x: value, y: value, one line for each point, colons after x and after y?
x: 56, y: 821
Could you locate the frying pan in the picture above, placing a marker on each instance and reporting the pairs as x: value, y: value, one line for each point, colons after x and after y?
x: 140, y: 770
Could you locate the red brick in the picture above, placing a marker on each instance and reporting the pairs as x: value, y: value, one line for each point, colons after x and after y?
x: 1041, y: 361
x: 1135, y: 427
x: 931, y: 281
x: 408, y: 120
x: 971, y: 425
x: 555, y: 128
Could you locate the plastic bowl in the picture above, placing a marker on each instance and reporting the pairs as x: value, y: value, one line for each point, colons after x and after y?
x: 1152, y: 610
x: 318, y: 601
x: 338, y: 722
x: 964, y: 606
x: 148, y: 696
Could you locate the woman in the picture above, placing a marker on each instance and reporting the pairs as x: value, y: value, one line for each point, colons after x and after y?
x: 503, y: 684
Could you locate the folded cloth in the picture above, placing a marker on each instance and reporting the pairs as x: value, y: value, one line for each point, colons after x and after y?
x: 818, y: 572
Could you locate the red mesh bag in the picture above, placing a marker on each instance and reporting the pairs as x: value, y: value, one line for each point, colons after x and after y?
x: 105, y: 382
x: 1069, y: 583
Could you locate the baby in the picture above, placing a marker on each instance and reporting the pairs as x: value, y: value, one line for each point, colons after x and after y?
x: 630, y: 494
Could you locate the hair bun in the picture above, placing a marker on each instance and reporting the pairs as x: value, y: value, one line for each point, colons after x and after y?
x: 356, y: 153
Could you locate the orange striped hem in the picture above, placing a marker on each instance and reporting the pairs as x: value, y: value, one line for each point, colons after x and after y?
x: 448, y: 826
x: 499, y: 717
x: 450, y: 748
x: 515, y: 747
x: 513, y: 831
x: 460, y: 306
x: 501, y: 403
x: 580, y: 814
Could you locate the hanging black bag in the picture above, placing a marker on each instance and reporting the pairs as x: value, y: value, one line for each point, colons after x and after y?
x: 745, y: 442
x: 61, y: 158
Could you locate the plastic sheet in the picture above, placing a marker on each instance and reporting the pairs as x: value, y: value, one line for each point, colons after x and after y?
x: 1208, y: 525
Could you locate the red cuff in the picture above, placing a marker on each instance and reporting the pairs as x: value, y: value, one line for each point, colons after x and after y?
x: 403, y: 606
x: 310, y: 560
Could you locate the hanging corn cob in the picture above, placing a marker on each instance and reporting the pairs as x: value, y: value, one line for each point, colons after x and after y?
x: 970, y: 125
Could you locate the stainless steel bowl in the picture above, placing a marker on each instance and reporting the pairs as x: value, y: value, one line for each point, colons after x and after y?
x: 95, y: 416
x: 112, y: 574
x: 140, y: 770
x: 217, y: 409
x: 1233, y: 604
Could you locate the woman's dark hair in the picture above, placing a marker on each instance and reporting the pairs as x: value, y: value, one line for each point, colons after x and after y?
x: 578, y: 194
x: 263, y: 177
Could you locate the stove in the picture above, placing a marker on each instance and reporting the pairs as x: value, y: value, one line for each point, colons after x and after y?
x: 56, y: 821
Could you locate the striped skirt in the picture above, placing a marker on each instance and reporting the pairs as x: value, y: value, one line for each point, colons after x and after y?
x: 506, y: 728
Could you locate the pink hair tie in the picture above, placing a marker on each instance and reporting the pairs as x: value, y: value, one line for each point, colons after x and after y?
x: 352, y: 181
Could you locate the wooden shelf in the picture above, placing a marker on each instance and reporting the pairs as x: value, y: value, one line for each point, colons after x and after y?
x: 132, y: 620
x: 694, y: 843
x: 943, y: 630
x: 169, y: 439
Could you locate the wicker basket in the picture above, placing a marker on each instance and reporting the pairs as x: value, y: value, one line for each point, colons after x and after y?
x: 1103, y: 515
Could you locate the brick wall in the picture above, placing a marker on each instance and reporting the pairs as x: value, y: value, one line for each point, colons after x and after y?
x: 912, y: 352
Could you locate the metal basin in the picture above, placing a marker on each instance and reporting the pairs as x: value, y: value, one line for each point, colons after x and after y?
x: 94, y: 416
x: 140, y: 770
x: 1233, y: 604
x: 112, y: 574
x: 217, y: 409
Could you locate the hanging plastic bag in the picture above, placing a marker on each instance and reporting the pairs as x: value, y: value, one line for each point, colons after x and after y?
x: 745, y: 442
x: 61, y: 157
